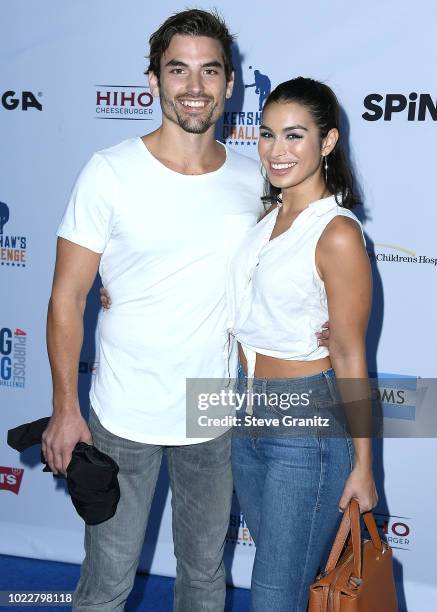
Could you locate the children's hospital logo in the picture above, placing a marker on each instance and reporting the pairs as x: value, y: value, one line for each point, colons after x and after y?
x: 241, y: 127
x: 12, y: 248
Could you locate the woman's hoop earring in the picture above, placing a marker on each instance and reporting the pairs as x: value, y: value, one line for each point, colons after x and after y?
x: 326, y: 168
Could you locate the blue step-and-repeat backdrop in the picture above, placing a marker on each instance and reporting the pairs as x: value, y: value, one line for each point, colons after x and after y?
x: 72, y: 82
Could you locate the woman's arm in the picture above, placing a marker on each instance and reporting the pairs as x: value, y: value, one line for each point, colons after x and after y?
x: 343, y: 265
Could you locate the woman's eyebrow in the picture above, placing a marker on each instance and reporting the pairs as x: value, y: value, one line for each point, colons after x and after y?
x: 295, y: 127
x: 286, y: 129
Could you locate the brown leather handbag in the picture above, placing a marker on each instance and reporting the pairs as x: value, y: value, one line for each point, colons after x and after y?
x: 360, y: 578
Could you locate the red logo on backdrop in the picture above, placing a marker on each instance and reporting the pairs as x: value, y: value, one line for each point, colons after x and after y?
x: 10, y: 479
x: 134, y: 102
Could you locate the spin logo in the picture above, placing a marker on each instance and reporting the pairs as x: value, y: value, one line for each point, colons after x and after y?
x: 417, y: 107
x: 13, y: 352
x: 13, y: 248
x: 241, y: 127
x: 10, y: 479
x: 134, y: 102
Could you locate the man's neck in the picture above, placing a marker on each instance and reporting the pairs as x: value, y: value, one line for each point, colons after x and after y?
x: 184, y: 152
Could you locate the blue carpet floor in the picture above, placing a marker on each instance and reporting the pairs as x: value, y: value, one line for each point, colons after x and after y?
x: 150, y: 593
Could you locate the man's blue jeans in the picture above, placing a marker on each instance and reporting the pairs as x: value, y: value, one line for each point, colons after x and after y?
x: 289, y: 487
x: 201, y: 485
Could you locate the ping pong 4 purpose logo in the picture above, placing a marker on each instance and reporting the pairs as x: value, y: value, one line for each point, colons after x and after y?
x: 13, y: 353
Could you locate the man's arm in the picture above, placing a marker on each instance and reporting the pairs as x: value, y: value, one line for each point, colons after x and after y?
x: 75, y: 271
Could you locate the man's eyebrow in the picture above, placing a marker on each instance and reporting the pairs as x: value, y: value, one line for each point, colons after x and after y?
x: 212, y: 64
x: 176, y: 62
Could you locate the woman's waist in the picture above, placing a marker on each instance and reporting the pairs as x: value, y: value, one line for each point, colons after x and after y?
x: 287, y: 383
x: 270, y: 367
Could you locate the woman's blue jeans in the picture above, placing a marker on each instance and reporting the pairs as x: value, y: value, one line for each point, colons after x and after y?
x: 289, y: 485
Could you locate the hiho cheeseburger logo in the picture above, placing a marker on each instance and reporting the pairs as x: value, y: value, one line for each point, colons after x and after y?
x: 134, y: 102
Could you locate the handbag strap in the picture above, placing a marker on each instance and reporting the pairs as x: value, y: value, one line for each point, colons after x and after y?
x: 351, y: 522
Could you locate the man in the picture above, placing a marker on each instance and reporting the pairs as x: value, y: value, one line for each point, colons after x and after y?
x: 157, y: 216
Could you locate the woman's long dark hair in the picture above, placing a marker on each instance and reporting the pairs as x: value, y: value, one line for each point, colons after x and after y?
x: 323, y: 105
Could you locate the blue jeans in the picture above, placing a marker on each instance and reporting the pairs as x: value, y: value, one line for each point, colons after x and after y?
x: 201, y: 485
x: 289, y: 487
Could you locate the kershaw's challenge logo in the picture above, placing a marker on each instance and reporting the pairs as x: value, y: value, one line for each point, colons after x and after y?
x: 12, y: 247
x: 13, y: 347
x: 238, y: 531
x: 10, y: 479
x: 242, y: 127
x: 134, y: 102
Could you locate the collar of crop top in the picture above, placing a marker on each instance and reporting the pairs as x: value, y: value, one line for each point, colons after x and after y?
x: 318, y: 207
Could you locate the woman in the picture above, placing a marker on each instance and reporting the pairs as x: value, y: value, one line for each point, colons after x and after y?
x: 303, y: 263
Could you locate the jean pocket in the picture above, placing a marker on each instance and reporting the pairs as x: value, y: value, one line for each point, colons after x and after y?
x: 331, y: 386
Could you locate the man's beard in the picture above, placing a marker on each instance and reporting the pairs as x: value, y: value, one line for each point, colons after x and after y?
x: 192, y: 125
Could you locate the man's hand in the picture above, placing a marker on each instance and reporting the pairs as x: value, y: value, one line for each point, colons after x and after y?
x: 323, y: 335
x: 75, y: 271
x: 63, y: 432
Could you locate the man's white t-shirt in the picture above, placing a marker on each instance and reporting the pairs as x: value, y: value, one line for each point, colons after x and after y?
x: 165, y: 240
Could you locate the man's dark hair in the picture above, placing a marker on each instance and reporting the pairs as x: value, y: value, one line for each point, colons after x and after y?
x: 192, y: 22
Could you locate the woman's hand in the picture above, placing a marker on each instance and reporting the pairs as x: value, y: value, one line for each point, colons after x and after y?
x: 105, y: 299
x: 361, y: 486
